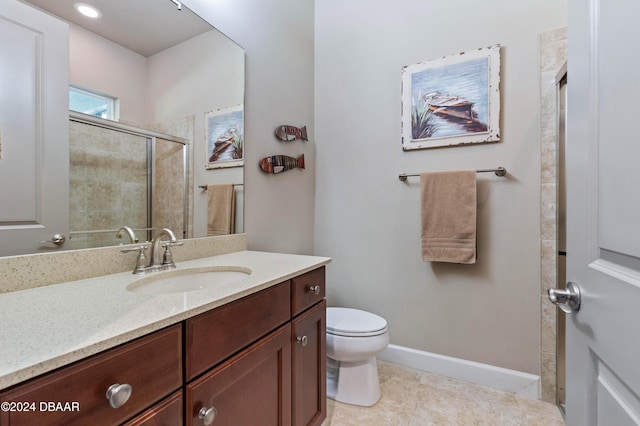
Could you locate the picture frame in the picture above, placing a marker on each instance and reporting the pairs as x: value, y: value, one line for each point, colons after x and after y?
x: 453, y: 100
x: 224, y: 137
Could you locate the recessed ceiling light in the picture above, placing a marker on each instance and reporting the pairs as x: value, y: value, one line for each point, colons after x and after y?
x: 87, y: 10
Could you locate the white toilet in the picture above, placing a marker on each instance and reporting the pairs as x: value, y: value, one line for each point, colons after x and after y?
x: 354, y: 338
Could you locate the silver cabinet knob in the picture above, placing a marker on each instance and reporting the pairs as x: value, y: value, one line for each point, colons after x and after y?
x: 315, y: 289
x: 207, y: 415
x: 118, y: 394
x: 303, y: 340
x: 568, y: 300
x: 57, y: 239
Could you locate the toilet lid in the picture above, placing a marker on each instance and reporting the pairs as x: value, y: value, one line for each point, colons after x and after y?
x: 354, y: 322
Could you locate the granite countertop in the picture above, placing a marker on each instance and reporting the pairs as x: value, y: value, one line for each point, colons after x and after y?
x: 48, y: 327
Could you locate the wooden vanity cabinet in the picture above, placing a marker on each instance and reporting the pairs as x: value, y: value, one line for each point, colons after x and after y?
x: 151, y: 365
x: 259, y: 360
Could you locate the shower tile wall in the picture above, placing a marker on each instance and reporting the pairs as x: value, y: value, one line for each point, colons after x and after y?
x: 553, y: 55
x: 107, y: 184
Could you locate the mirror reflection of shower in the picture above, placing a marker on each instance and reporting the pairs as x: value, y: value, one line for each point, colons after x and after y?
x: 561, y: 86
x: 124, y: 176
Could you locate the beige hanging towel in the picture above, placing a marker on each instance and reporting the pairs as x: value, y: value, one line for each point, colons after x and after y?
x: 448, y: 202
x: 220, y: 209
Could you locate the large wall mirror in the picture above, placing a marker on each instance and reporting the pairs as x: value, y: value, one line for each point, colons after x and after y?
x: 156, y: 138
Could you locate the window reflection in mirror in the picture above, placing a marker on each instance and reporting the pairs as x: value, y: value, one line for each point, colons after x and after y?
x: 92, y: 103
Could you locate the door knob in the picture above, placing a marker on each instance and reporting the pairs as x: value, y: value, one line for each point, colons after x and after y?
x: 568, y: 300
x: 57, y: 239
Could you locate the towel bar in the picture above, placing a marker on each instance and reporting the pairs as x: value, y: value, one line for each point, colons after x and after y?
x: 499, y: 171
x: 204, y: 187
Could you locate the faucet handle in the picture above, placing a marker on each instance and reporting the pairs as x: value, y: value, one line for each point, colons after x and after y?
x: 172, y: 244
x: 141, y: 262
x: 140, y: 248
x: 167, y: 257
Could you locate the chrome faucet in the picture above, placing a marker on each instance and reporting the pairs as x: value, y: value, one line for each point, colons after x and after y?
x: 129, y: 232
x: 155, y: 264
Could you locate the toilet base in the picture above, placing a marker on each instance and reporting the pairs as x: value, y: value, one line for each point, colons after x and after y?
x: 355, y: 383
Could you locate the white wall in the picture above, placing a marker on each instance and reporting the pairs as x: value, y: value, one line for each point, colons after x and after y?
x: 92, y: 66
x: 277, y: 36
x: 368, y: 221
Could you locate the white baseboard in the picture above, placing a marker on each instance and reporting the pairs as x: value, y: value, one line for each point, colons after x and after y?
x: 522, y: 384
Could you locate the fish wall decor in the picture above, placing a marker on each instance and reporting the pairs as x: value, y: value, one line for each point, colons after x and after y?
x: 291, y: 133
x: 281, y: 163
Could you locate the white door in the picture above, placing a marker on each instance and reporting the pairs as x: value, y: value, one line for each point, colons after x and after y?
x: 603, y: 213
x: 34, y: 111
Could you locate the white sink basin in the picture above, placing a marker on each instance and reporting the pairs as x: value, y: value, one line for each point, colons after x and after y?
x: 190, y: 279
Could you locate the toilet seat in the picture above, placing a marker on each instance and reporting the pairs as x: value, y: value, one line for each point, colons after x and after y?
x: 350, y: 322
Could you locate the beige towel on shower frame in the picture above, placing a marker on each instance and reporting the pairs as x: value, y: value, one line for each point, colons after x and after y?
x: 220, y: 209
x: 448, y: 201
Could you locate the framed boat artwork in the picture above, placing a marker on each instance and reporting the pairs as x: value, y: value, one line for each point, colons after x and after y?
x: 453, y: 100
x: 224, y: 133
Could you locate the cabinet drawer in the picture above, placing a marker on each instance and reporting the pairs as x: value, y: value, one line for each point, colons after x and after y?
x: 214, y: 336
x: 167, y: 412
x: 152, y: 365
x: 251, y: 388
x: 307, y: 290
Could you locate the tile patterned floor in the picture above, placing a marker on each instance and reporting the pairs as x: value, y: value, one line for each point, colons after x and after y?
x: 416, y: 398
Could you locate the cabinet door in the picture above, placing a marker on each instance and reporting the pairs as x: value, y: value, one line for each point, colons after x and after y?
x: 251, y: 388
x: 309, y: 366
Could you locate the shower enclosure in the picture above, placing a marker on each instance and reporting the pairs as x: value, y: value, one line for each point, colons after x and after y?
x: 123, y: 175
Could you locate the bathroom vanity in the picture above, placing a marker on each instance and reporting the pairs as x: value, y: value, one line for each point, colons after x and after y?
x: 249, y: 352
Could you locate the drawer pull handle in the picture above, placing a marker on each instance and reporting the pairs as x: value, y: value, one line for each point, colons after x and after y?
x: 118, y: 394
x: 303, y: 340
x: 207, y: 415
x: 315, y: 289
